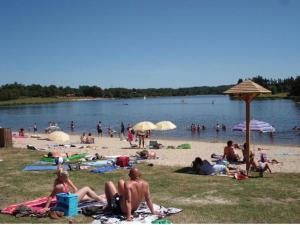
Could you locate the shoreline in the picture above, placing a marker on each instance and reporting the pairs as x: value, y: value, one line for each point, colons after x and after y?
x: 107, y: 146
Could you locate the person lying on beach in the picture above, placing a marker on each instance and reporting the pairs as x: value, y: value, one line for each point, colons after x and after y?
x: 63, y: 184
x: 229, y: 153
x: 256, y: 166
x: 127, y: 198
x: 203, y: 167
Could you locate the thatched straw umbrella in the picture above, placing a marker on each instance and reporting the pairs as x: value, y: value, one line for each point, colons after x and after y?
x: 247, y: 91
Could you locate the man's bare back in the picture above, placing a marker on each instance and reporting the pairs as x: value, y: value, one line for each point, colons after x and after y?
x: 130, y: 194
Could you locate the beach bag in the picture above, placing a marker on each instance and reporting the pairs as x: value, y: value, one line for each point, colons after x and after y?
x: 122, y: 161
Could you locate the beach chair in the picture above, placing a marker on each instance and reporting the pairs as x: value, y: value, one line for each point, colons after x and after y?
x: 153, y: 144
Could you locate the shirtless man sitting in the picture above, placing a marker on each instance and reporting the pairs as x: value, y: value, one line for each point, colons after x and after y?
x: 129, y: 195
x: 229, y: 153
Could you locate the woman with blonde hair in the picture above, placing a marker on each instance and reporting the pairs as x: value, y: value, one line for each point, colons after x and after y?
x: 63, y: 184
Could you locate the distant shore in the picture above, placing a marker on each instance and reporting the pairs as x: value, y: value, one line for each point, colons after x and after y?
x: 47, y: 100
x: 40, y: 100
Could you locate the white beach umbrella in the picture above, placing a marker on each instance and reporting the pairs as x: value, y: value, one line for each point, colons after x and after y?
x: 165, y: 125
x: 59, y: 136
x: 143, y: 126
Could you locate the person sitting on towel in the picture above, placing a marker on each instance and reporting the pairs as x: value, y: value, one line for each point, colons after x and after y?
x: 63, y: 184
x: 229, y: 153
x: 203, y: 167
x: 90, y: 139
x: 260, y: 167
x: 127, y: 198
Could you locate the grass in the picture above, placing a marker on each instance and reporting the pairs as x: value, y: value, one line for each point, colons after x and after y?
x: 36, y: 100
x: 204, y: 199
x: 40, y: 100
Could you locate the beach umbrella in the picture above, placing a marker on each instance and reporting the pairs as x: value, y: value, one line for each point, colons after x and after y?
x: 165, y: 125
x: 143, y: 126
x: 59, y: 136
x: 255, y: 125
x: 247, y: 91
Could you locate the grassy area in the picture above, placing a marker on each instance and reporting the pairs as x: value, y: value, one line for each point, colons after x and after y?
x: 37, y: 100
x: 204, y: 199
x: 274, y: 96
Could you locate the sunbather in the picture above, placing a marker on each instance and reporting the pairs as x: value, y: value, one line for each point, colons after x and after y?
x: 63, y: 184
x: 90, y: 139
x: 260, y: 167
x: 129, y: 195
x: 229, y: 153
x: 82, y: 138
x: 205, y: 168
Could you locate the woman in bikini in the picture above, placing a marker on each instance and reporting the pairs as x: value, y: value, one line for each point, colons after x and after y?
x: 63, y: 184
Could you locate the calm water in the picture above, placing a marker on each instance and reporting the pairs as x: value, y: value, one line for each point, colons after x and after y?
x: 282, y: 114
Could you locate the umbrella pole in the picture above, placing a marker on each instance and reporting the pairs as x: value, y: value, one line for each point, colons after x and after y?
x: 248, y: 135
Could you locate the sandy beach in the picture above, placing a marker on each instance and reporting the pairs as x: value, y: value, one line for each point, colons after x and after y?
x: 288, y: 155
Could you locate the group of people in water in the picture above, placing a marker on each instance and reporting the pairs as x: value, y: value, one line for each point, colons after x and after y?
x: 198, y: 127
x: 123, y: 199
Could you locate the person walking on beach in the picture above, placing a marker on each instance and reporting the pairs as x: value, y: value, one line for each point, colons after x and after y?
x: 34, y: 128
x: 122, y: 134
x: 127, y: 198
x: 99, y: 129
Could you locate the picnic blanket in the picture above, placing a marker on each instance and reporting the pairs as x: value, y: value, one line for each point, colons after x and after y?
x: 141, y: 215
x: 104, y: 169
x: 42, y: 168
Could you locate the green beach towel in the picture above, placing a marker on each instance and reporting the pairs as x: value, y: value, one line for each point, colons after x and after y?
x: 184, y: 146
x: 161, y: 221
x: 71, y: 158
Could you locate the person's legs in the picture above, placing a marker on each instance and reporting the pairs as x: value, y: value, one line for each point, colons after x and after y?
x: 140, y: 140
x: 121, y: 187
x: 143, y: 141
x: 87, y: 193
x: 267, y: 167
x: 110, y: 191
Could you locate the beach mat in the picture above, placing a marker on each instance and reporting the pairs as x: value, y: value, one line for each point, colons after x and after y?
x: 104, y: 169
x: 98, y: 163
x: 184, y: 146
x: 141, y: 215
x: 42, y: 168
x: 36, y: 205
x: 71, y: 158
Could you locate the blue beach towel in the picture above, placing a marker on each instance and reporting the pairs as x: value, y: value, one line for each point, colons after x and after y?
x: 98, y: 163
x: 104, y: 169
x: 41, y: 168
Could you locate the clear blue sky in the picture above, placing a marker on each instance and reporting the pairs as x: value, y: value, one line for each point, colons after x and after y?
x: 165, y: 43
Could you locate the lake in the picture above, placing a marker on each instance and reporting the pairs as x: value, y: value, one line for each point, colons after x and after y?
x: 209, y: 110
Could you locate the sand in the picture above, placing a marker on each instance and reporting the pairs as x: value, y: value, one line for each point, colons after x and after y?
x: 288, y: 155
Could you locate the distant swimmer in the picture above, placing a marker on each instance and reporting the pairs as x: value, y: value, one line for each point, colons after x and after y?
x: 212, y: 102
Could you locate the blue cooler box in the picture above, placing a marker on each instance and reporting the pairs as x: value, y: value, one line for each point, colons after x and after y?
x: 67, y: 203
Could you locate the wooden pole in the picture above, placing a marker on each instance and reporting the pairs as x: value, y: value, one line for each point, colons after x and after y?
x: 248, y: 134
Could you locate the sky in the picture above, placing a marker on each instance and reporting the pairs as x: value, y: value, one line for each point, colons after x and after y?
x: 143, y: 44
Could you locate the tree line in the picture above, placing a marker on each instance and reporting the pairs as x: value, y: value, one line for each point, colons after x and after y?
x: 16, y: 90
x: 288, y: 85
